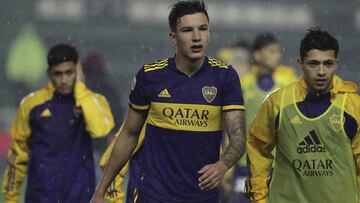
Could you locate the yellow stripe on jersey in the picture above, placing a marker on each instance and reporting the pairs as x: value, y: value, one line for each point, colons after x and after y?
x: 156, y: 68
x: 233, y: 107
x: 157, y: 65
x: 189, y: 117
x: 216, y: 63
x: 138, y: 107
x: 136, y: 195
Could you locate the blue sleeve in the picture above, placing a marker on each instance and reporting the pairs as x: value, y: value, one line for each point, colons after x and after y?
x: 350, y: 126
x: 139, y: 99
x: 232, y: 98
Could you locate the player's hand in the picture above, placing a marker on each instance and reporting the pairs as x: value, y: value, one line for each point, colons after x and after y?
x: 97, y: 199
x: 212, y: 175
x: 80, y: 77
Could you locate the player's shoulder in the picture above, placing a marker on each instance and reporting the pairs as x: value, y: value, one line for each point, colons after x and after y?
x: 217, y: 64
x: 284, y: 68
x: 354, y: 99
x: 35, y: 98
x: 248, y: 79
x: 352, y: 105
x: 156, y: 66
x: 285, y: 75
x: 276, y: 95
x: 100, y: 97
x: 221, y: 69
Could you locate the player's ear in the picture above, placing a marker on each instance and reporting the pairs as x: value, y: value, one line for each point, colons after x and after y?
x: 172, y: 37
x: 300, y: 62
x: 257, y: 56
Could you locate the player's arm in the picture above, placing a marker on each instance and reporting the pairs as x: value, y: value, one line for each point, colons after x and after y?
x: 233, y: 118
x: 235, y: 127
x: 124, y: 146
x: 18, y: 156
x: 259, y: 145
x: 95, y: 108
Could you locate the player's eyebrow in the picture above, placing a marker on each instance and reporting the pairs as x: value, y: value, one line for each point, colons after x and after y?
x: 185, y: 28
x: 329, y: 61
x: 313, y: 61
x: 67, y: 70
x: 204, y: 26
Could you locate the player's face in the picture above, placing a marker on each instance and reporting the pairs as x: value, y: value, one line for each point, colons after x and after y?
x: 319, y: 68
x: 269, y: 56
x: 192, y: 36
x: 63, y: 77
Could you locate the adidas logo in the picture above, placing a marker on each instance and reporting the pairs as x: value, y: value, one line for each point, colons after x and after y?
x: 46, y: 113
x: 296, y: 120
x: 311, y: 144
x: 165, y: 94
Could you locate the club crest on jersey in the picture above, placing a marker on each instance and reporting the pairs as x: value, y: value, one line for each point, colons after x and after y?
x: 209, y: 93
x: 335, y: 121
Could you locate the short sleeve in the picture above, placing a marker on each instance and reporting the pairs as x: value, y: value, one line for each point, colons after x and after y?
x: 232, y: 98
x: 139, y: 99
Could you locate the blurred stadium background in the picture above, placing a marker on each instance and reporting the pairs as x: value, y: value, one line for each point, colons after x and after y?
x: 115, y: 37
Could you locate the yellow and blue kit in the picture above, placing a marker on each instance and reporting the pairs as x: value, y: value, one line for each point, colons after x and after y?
x: 317, y: 140
x: 184, y: 126
x: 52, y: 146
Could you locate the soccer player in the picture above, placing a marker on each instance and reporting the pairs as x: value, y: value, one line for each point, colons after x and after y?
x: 314, y: 125
x: 183, y: 101
x: 51, y: 136
x: 266, y: 75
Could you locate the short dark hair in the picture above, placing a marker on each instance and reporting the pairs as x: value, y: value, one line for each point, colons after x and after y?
x: 182, y: 8
x: 319, y: 39
x: 263, y: 40
x: 61, y: 53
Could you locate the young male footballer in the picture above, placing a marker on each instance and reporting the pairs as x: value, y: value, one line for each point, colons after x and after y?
x: 184, y: 101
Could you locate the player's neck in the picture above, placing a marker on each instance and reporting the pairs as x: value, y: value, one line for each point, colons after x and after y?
x: 188, y: 67
x: 317, y: 93
x: 262, y: 70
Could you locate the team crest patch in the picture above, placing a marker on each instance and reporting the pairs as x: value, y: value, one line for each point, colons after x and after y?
x: 335, y: 122
x: 133, y: 83
x: 209, y: 93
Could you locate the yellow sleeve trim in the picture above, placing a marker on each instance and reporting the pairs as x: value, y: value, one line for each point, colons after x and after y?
x: 146, y: 107
x: 233, y: 107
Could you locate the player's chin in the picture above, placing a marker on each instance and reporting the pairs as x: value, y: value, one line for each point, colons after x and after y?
x: 196, y: 56
x: 65, y: 90
x: 320, y: 89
